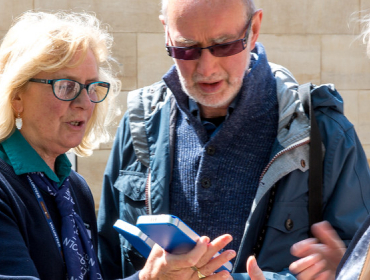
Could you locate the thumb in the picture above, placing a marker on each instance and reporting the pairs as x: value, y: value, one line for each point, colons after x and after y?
x: 255, y: 273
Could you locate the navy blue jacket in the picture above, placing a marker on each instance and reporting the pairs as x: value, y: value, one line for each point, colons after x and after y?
x: 27, y: 247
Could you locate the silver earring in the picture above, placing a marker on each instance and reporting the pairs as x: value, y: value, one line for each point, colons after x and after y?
x: 18, y: 122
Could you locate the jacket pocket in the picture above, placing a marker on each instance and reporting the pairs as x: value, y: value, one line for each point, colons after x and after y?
x: 289, y: 217
x: 131, y: 184
x: 131, y: 189
x: 288, y: 224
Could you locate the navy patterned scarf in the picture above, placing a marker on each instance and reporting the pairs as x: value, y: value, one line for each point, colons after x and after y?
x: 78, y: 251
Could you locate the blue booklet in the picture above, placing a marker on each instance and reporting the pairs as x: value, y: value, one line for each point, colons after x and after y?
x: 135, y: 236
x: 168, y: 231
x: 172, y: 234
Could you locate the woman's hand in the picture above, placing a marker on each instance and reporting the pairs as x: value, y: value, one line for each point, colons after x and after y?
x: 194, y: 265
x: 320, y: 256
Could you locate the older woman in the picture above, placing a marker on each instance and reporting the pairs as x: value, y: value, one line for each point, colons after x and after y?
x: 54, y: 80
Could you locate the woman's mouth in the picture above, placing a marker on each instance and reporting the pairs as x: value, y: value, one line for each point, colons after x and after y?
x: 75, y: 123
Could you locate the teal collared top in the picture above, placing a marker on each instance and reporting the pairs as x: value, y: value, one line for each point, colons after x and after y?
x: 18, y: 153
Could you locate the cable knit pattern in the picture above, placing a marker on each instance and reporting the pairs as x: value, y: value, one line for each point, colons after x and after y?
x: 214, y: 182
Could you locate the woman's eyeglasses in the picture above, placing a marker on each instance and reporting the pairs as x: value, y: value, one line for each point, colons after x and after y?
x: 221, y: 50
x: 68, y: 90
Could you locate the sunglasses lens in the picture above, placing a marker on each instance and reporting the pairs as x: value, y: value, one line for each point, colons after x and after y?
x: 184, y: 53
x: 227, y: 49
x: 217, y: 50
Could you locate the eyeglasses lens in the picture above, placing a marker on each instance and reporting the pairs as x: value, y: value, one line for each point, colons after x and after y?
x: 98, y: 91
x: 65, y: 89
x: 68, y: 90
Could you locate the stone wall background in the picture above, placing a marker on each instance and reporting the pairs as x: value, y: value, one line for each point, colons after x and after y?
x: 317, y: 40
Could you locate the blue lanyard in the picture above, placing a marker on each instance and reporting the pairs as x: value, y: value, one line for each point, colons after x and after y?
x: 45, y: 211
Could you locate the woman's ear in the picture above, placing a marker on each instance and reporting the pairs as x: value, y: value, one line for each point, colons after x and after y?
x: 17, y: 103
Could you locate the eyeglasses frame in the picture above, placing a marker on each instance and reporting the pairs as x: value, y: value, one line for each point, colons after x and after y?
x: 245, y: 39
x: 82, y: 86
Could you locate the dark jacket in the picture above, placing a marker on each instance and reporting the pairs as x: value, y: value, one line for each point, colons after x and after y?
x: 27, y: 247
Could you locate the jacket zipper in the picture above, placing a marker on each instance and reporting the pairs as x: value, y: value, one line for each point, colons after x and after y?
x: 148, y: 195
x: 261, y: 235
x: 292, y: 147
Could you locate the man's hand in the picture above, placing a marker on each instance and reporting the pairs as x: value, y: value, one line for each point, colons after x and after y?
x: 162, y: 265
x: 255, y: 273
x: 320, y: 256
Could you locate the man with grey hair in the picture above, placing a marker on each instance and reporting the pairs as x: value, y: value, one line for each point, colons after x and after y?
x: 223, y: 143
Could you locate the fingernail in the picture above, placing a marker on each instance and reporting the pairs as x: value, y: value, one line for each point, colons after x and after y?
x: 229, y: 237
x: 231, y: 254
x: 206, y: 239
x: 225, y: 275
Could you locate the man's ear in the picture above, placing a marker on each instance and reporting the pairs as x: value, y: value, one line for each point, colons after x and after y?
x: 256, y: 26
x: 162, y: 19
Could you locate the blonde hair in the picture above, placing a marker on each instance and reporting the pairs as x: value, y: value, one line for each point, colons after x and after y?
x: 365, y: 34
x: 40, y: 41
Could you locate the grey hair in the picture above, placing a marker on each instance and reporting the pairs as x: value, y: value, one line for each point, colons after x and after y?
x: 251, y: 8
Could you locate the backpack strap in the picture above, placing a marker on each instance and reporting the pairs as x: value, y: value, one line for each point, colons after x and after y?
x: 316, y: 165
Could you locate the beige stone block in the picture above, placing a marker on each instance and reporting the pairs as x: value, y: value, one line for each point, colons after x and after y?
x: 307, y: 16
x: 131, y: 16
x: 351, y: 105
x: 367, y: 152
x: 363, y: 107
x: 363, y: 132
x: 344, y: 62
x: 65, y: 5
x: 363, y: 15
x: 2, y: 34
x: 153, y: 61
x: 122, y: 15
x: 300, y: 54
x: 124, y: 51
x: 365, y: 6
x: 92, y: 169
x: 9, y: 10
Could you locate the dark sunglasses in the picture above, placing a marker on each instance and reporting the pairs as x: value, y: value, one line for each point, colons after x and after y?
x: 68, y: 90
x: 221, y: 50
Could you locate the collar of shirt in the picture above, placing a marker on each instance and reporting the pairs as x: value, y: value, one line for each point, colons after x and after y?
x: 210, y: 127
x: 194, y: 108
x: 18, y: 153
